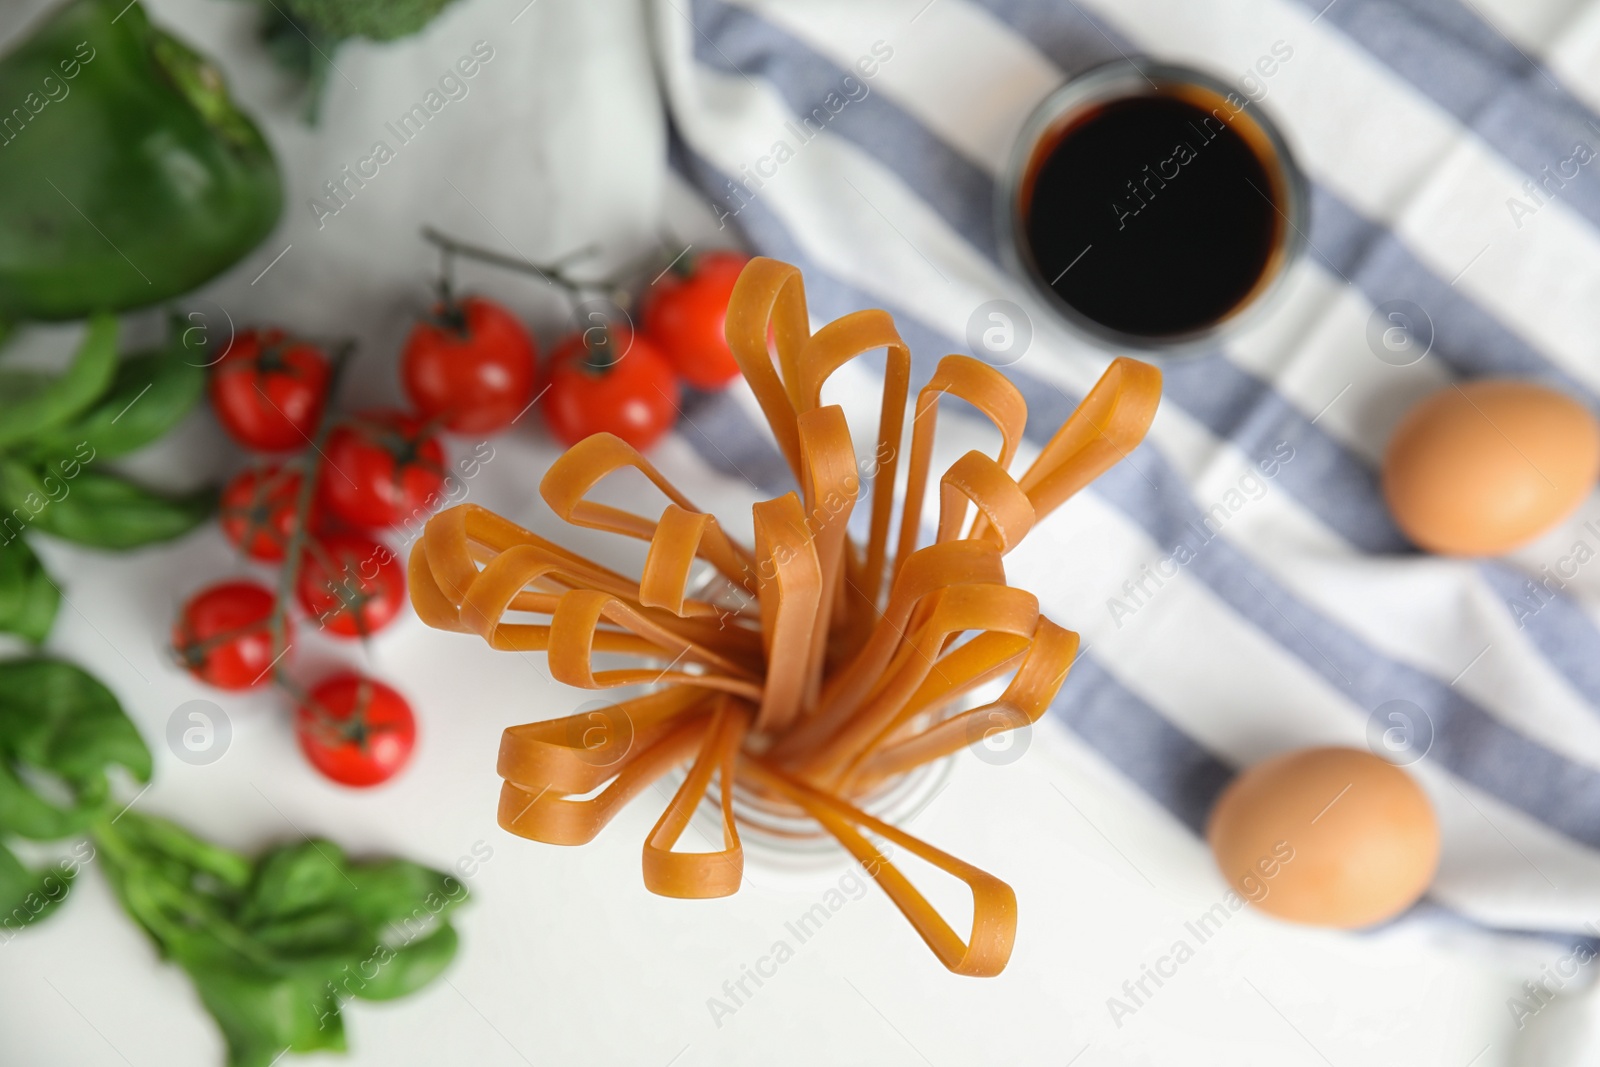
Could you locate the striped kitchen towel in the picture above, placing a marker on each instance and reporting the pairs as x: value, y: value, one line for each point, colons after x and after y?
x: 1240, y: 587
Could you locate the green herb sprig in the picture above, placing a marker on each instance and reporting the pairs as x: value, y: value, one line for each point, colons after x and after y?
x: 275, y: 945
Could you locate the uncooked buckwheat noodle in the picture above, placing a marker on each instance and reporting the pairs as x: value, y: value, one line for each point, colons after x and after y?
x: 849, y: 667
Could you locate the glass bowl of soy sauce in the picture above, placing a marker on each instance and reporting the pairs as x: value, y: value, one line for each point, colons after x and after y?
x: 1152, y: 206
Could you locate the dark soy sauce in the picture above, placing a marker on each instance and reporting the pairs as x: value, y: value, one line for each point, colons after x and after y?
x: 1174, y: 202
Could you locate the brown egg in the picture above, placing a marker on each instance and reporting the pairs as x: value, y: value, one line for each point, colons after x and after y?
x: 1480, y: 468
x: 1326, y: 836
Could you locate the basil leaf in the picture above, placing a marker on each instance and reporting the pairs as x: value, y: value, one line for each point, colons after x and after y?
x: 329, y: 937
x: 48, y: 403
x: 25, y: 813
x: 28, y: 598
x: 56, y: 717
x: 149, y: 395
x: 262, y: 1014
x: 404, y: 894
x: 106, y: 511
x: 405, y: 970
x: 27, y: 896
x: 22, y: 495
x: 22, y: 386
x: 295, y: 879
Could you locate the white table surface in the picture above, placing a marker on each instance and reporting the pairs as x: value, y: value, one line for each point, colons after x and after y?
x: 566, y: 959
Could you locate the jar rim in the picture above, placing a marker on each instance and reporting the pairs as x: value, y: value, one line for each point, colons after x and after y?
x: 1129, y: 78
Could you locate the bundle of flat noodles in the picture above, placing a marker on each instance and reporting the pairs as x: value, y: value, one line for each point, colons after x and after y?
x: 847, y: 665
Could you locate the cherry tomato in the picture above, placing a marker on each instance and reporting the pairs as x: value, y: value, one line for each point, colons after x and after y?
x: 224, y: 636
x: 381, y: 470
x: 610, y: 380
x: 356, y: 731
x: 471, y: 365
x: 351, y: 585
x: 257, y: 512
x: 268, y: 390
x: 684, y: 313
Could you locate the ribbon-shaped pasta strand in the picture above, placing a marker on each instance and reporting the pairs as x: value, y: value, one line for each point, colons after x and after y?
x: 820, y: 670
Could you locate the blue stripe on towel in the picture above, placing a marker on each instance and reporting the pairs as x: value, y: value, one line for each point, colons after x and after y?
x: 1161, y: 759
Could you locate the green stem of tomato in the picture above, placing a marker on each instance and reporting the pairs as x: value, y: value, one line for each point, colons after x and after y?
x: 299, y: 532
x: 551, y: 273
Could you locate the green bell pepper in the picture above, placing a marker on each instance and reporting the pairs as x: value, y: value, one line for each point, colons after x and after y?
x: 127, y: 175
